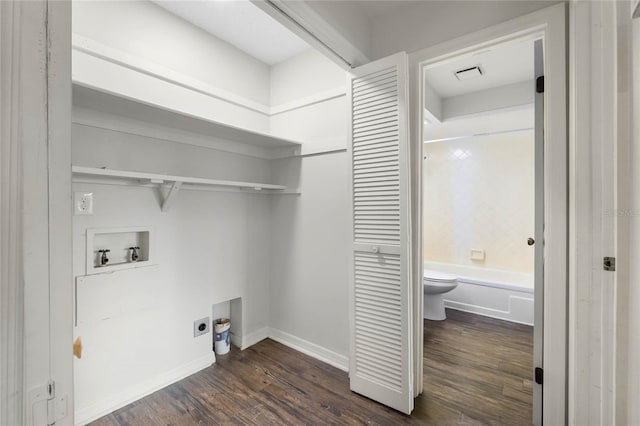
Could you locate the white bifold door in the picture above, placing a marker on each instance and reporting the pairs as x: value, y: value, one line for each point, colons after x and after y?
x: 380, y: 288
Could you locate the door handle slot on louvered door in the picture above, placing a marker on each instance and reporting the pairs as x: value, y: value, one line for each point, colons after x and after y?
x: 380, y: 363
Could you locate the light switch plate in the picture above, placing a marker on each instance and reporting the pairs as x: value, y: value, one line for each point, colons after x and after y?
x: 83, y: 203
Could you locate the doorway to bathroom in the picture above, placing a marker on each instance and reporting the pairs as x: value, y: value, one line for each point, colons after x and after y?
x: 489, y: 186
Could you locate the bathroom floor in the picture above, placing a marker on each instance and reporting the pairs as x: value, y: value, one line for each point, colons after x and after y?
x: 480, y: 367
x: 477, y: 371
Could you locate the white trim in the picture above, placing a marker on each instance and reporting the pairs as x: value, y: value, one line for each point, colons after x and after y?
x: 159, y: 179
x: 308, y: 348
x: 11, y: 184
x: 306, y: 23
x: 324, y: 148
x: 316, y: 98
x: 140, y: 390
x: 103, y: 120
x: 548, y: 23
x: 134, y: 63
x: 119, y: 57
x: 167, y: 187
x: 58, y: 189
x: 593, y: 143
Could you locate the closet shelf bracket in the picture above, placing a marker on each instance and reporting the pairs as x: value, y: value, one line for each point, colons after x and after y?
x: 171, y: 196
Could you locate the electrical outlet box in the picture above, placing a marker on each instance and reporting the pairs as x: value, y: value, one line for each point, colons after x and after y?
x: 201, y: 327
x: 83, y: 203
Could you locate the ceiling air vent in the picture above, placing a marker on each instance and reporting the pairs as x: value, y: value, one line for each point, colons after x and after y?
x: 468, y: 73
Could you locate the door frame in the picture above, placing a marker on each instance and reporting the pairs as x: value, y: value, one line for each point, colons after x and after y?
x: 36, y: 129
x: 548, y: 24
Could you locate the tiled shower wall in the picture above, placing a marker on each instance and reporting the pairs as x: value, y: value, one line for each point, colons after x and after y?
x: 479, y: 194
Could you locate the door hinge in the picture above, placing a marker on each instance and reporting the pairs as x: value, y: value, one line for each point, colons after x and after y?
x: 609, y: 263
x: 56, y: 406
x: 538, y: 375
x: 540, y: 84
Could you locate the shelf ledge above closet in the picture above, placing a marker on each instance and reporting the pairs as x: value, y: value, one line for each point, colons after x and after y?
x: 175, y: 182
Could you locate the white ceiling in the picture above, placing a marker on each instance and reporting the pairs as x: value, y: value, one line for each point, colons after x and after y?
x: 503, y: 65
x: 241, y: 24
x: 375, y: 8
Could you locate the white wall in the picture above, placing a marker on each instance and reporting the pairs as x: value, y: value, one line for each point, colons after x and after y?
x: 147, y: 31
x: 309, y: 292
x: 309, y: 252
x: 304, y: 75
x: 308, y: 93
x: 479, y: 194
x: 209, y: 248
x: 424, y: 24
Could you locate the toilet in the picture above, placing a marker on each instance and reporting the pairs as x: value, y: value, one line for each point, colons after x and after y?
x: 435, y: 285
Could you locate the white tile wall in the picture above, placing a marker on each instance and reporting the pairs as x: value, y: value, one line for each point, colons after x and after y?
x: 479, y: 194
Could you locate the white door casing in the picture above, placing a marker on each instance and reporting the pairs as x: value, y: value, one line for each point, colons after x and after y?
x: 381, y: 365
x: 538, y: 321
x: 11, y: 274
x: 548, y: 24
x: 44, y: 135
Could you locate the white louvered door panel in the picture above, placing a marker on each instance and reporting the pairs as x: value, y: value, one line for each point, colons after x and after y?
x: 380, y: 362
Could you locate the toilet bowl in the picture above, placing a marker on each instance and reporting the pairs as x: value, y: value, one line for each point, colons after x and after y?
x: 435, y: 285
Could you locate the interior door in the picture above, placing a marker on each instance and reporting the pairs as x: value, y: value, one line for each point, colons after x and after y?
x: 380, y: 288
x: 538, y: 320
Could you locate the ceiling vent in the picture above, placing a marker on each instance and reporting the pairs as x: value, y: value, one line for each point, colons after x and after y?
x: 468, y: 73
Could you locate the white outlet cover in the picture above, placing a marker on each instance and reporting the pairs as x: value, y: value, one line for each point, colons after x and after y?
x: 196, y: 327
x: 83, y: 203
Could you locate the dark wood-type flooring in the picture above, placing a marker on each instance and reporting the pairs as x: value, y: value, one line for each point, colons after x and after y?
x: 477, y: 372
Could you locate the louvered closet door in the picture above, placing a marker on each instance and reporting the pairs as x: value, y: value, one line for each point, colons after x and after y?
x: 381, y: 344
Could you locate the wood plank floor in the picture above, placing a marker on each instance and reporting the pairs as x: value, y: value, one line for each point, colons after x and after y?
x: 477, y: 372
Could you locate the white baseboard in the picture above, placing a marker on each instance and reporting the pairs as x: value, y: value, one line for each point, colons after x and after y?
x: 127, y: 396
x: 311, y: 349
x: 133, y: 393
x: 252, y: 338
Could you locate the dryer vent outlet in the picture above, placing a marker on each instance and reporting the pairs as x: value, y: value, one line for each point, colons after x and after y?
x: 201, y: 327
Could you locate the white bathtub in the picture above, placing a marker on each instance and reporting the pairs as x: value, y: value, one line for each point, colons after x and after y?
x: 489, y: 292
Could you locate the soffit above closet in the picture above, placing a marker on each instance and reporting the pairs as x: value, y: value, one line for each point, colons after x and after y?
x: 501, y: 66
x: 241, y: 24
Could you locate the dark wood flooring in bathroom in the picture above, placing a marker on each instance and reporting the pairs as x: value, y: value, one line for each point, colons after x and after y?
x: 477, y: 371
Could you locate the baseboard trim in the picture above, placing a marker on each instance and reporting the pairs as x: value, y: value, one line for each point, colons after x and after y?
x: 134, y: 393
x: 318, y: 352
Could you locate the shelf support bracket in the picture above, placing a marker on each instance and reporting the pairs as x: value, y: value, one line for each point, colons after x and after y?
x: 171, y: 196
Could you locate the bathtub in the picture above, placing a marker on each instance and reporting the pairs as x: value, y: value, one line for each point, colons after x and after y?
x: 490, y: 292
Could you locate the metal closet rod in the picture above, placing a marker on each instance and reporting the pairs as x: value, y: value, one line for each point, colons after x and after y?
x: 500, y: 132
x: 303, y: 28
